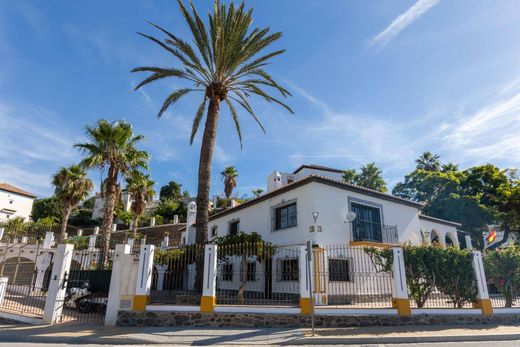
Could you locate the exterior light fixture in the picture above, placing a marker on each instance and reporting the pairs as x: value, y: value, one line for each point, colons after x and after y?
x: 315, y: 216
x: 351, y: 216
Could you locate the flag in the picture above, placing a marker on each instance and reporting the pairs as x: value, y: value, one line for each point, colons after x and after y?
x: 492, y: 236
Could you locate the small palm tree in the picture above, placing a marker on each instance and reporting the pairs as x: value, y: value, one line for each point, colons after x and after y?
x: 257, y: 192
x: 229, y: 176
x: 140, y: 188
x: 72, y: 186
x: 226, y: 65
x: 371, y: 177
x: 428, y: 162
x: 349, y: 176
x: 112, y: 148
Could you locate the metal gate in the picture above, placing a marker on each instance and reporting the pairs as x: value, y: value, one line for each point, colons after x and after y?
x: 87, y: 283
x: 27, y: 268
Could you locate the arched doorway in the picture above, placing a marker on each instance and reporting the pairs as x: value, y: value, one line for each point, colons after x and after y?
x: 435, y: 239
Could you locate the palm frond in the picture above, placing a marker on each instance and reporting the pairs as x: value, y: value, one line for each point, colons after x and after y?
x: 235, y: 120
x: 196, y: 120
x: 173, y: 97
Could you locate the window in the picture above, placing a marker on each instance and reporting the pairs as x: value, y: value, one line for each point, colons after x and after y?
x: 233, y: 227
x: 251, y: 272
x: 288, y: 270
x: 214, y: 230
x: 227, y: 272
x: 367, y: 225
x: 339, y: 270
x: 285, y: 217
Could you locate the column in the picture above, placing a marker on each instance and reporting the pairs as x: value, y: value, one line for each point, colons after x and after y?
x: 114, y: 293
x: 58, y: 284
x: 161, y: 271
x: 207, y: 301
x: 483, y: 302
x: 400, y: 298
x: 305, y: 266
x: 144, y: 278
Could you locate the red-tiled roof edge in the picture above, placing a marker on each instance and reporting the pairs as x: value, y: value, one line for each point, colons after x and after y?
x: 10, y: 188
x: 318, y: 167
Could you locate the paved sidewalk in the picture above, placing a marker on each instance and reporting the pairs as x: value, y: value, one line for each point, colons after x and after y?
x: 84, y: 334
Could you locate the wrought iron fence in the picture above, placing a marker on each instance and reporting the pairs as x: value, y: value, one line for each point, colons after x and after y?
x: 345, y: 276
x: 258, y: 274
x: 177, y: 275
x: 27, y: 268
x: 499, y: 300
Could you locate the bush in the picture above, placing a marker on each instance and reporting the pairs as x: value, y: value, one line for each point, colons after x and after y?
x: 502, y: 269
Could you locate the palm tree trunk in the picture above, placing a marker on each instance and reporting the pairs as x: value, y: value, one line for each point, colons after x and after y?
x: 108, y: 213
x: 206, y: 154
x: 64, y: 220
x: 134, y: 228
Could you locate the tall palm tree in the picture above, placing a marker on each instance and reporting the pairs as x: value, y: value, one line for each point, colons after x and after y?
x: 428, y: 162
x: 140, y: 188
x: 229, y: 176
x: 112, y: 148
x: 71, y: 186
x: 224, y: 64
x: 371, y: 177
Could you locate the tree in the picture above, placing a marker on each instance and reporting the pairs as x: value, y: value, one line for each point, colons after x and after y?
x: 47, y: 207
x: 224, y: 64
x: 112, y: 148
x: 370, y: 176
x: 71, y: 186
x: 502, y: 269
x: 168, y: 209
x: 428, y: 162
x: 229, y: 176
x: 140, y: 188
x: 172, y: 191
x: 257, y: 192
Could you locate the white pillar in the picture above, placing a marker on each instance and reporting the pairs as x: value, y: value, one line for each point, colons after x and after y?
x: 161, y: 271
x: 49, y: 238
x: 92, y: 242
x: 207, y: 302
x: 114, y: 293
x: 306, y: 279
x: 469, y: 244
x: 114, y: 227
x: 96, y: 230
x: 1, y: 233
x: 3, y: 288
x: 144, y: 278
x: 80, y: 232
x: 57, y: 286
x: 400, y: 298
x: 483, y: 301
x: 152, y: 221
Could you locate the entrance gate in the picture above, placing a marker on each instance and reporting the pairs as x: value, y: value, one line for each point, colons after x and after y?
x: 87, y: 283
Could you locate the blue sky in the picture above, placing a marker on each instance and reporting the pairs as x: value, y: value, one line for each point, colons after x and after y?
x: 375, y: 81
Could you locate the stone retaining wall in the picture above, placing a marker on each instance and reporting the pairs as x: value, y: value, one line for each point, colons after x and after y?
x: 258, y: 320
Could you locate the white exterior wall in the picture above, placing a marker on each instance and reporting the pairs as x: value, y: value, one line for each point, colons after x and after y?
x: 325, y: 173
x: 429, y: 227
x: 21, y: 204
x: 332, y: 205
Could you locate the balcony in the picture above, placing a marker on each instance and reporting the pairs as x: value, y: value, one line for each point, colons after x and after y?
x: 370, y: 233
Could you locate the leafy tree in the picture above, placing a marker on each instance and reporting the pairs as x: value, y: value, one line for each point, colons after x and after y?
x: 49, y: 221
x: 140, y: 188
x: 71, y: 186
x: 112, y: 147
x: 428, y: 162
x: 82, y: 217
x: 502, y: 269
x: 370, y: 176
x: 14, y: 225
x: 229, y: 176
x: 47, y: 207
x: 225, y: 66
x: 168, y: 209
x: 257, y: 192
x: 89, y: 203
x: 172, y: 191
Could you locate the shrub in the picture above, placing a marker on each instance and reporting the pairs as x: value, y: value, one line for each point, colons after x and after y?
x: 502, y: 269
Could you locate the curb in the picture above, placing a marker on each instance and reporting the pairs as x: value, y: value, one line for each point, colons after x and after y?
x: 338, y: 340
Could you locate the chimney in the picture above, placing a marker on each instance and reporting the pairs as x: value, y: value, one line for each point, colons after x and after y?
x: 274, y: 181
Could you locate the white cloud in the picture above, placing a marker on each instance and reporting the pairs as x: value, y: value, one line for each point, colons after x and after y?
x: 401, y: 22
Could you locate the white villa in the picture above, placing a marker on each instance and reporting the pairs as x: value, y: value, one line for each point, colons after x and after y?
x: 312, y: 203
x: 15, y: 202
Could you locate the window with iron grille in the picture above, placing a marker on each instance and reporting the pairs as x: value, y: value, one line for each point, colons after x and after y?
x: 227, y: 272
x: 339, y: 270
x: 233, y: 227
x: 251, y: 272
x: 214, y: 230
x: 288, y: 270
x: 285, y: 217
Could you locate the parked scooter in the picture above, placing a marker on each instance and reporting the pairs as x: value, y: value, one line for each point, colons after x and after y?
x: 80, y: 298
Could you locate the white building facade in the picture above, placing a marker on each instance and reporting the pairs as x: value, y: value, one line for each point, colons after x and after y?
x: 15, y: 202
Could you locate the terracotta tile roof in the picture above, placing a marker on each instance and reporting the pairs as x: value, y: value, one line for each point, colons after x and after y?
x: 10, y: 188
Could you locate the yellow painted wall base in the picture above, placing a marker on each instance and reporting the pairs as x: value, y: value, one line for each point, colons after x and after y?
x: 139, y: 302
x: 207, y: 304
x: 485, y: 306
x: 402, y: 306
x: 306, y: 305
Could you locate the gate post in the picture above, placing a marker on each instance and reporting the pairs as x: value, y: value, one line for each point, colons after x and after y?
x: 207, y: 301
x: 483, y: 302
x: 58, y: 283
x: 306, y: 302
x: 114, y: 293
x: 144, y: 278
x: 400, y: 298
